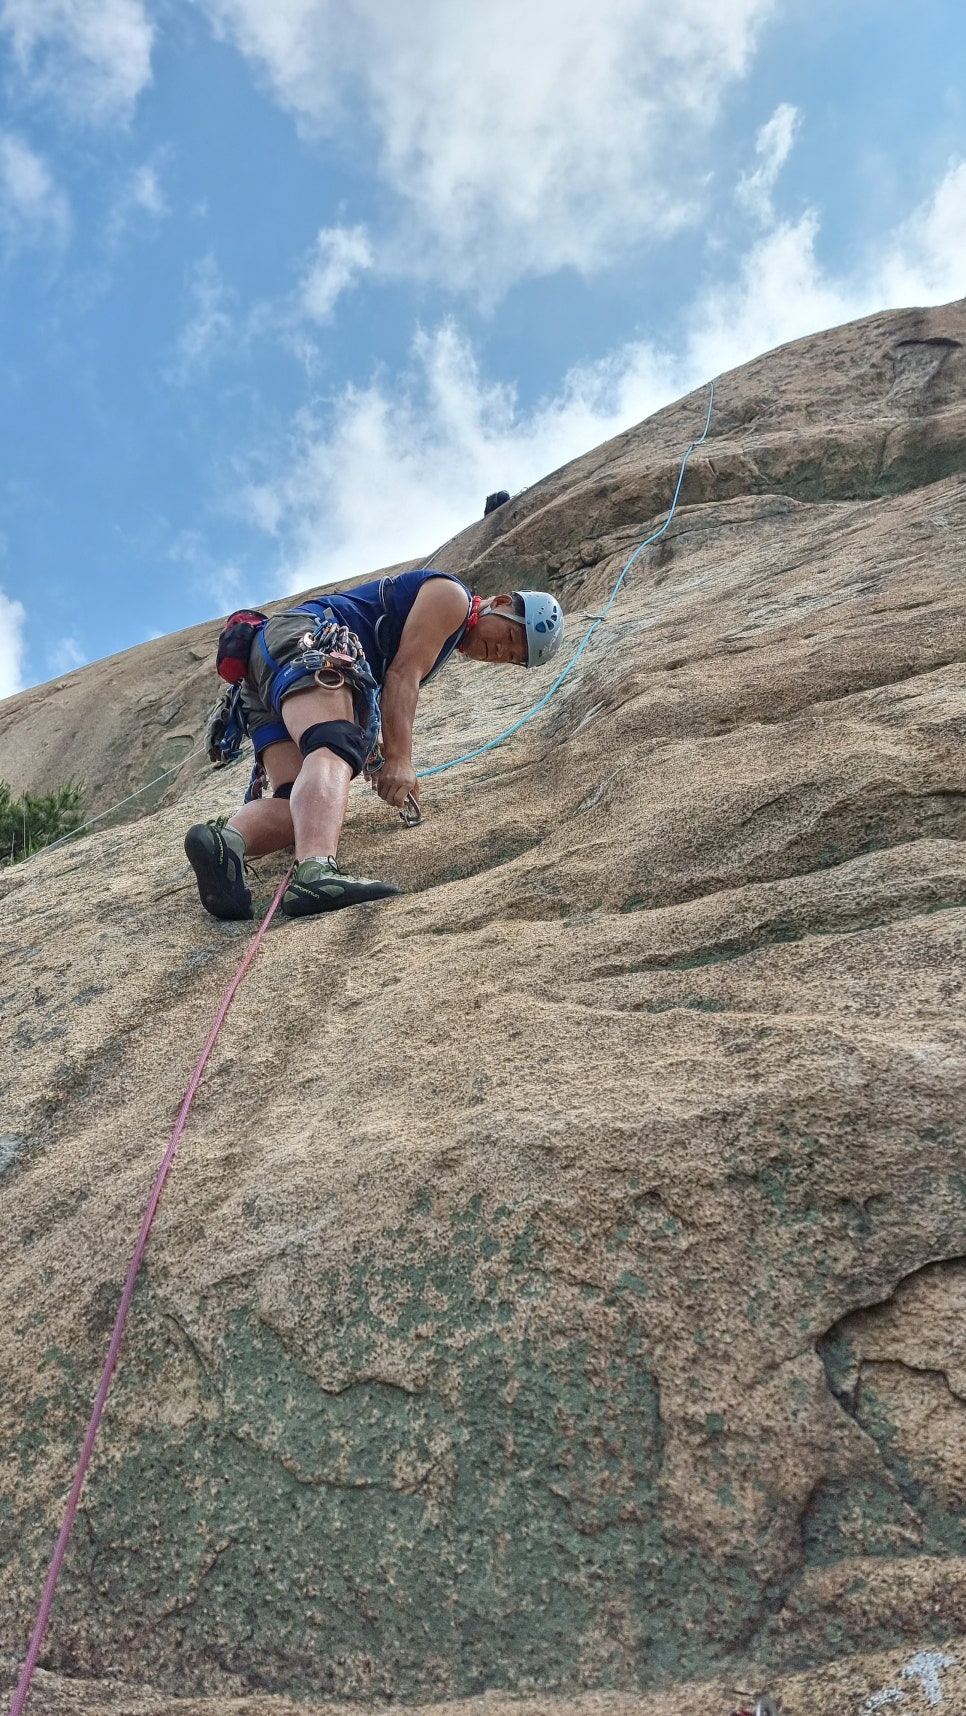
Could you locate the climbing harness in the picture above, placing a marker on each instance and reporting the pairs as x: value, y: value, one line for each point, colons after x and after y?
x: 333, y: 656
x: 341, y: 658
x: 57, y: 1561
x: 337, y: 656
x: 257, y: 783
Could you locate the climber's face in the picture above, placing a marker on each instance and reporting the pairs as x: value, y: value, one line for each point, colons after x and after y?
x: 495, y: 637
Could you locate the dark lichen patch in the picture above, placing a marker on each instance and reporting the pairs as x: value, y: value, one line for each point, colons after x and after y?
x: 467, y: 1444
x: 693, y: 961
x: 875, y: 1399
x: 11, y: 1150
x: 862, y: 1515
x: 898, y: 1499
x: 318, y: 1535
x: 319, y: 1526
x: 840, y: 852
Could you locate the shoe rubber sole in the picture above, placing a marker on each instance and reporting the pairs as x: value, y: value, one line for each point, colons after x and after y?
x: 219, y: 871
x: 304, y: 899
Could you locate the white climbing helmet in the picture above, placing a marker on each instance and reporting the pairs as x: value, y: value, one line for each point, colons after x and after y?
x: 543, y: 618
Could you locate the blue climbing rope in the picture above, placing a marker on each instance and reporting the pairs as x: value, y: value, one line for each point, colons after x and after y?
x: 491, y: 744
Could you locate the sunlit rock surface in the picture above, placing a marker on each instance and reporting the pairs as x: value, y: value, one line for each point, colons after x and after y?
x: 560, y: 1289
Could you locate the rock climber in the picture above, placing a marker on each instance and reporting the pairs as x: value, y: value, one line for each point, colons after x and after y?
x: 317, y: 681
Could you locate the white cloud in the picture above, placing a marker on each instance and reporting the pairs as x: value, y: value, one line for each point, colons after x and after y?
x: 341, y: 253
x: 216, y: 581
x: 145, y: 191
x: 225, y: 586
x: 782, y: 291
x: 12, y: 618
x: 139, y: 203
x: 926, y: 263
x: 773, y: 146
x: 395, y: 475
x: 33, y: 209
x: 210, y: 328
x: 520, y: 139
x: 65, y: 656
x: 401, y: 466
x: 298, y: 42
x: 92, y: 56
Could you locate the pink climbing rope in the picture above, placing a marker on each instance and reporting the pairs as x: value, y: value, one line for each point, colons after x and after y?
x: 57, y: 1561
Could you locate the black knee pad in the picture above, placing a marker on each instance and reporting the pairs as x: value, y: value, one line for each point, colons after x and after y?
x: 345, y: 738
x: 283, y: 791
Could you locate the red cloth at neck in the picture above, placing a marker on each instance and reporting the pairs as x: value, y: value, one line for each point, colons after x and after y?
x: 476, y: 603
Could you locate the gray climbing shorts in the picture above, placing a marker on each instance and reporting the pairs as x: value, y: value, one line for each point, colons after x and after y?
x: 283, y: 635
x: 285, y: 639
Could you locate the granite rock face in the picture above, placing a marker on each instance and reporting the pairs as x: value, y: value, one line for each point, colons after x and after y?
x: 560, y: 1288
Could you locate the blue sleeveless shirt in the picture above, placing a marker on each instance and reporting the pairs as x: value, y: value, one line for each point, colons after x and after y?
x: 377, y: 613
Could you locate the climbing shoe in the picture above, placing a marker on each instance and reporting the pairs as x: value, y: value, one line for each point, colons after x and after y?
x: 318, y: 885
x: 217, y: 857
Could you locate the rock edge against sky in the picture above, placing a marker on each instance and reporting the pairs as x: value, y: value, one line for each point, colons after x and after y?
x: 559, y: 1292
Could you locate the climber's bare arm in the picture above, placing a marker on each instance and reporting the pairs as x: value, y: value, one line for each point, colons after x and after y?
x: 438, y: 611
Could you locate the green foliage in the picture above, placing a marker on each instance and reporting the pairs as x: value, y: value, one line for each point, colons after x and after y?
x: 36, y: 819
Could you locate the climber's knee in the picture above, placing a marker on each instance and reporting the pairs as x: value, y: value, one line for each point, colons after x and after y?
x: 345, y: 738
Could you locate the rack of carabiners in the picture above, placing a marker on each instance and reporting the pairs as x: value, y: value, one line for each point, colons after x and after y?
x: 337, y: 658
x: 334, y: 655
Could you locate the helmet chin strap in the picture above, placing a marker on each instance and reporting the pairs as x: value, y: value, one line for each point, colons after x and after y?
x: 479, y: 608
x: 502, y: 613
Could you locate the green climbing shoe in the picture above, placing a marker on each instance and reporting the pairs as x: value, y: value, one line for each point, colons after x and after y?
x: 318, y: 885
x: 217, y: 857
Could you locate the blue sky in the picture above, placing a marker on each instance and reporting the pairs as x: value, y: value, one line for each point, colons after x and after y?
x: 288, y: 286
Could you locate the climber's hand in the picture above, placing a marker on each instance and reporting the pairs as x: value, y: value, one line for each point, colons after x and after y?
x: 395, y: 781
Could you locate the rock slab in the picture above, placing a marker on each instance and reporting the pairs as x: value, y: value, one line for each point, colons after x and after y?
x: 559, y: 1293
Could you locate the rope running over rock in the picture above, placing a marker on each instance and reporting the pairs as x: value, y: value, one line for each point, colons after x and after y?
x: 60, y: 1551
x: 57, y: 1561
x: 491, y: 744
